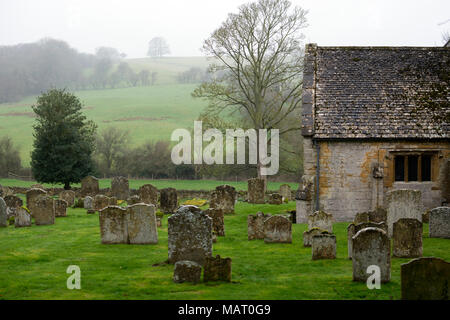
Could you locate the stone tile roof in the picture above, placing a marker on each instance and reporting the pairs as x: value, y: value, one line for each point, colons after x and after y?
x: 376, y: 92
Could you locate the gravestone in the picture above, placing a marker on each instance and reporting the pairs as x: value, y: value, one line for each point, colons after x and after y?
x: 407, y: 238
x: 353, y: 229
x: 31, y: 196
x: 361, y: 217
x: 12, y: 204
x: 277, y: 229
x: 133, y: 200
x: 190, y: 235
x: 60, y: 208
x: 217, y: 221
x: 440, y: 223
x: 425, y: 279
x: 403, y: 203
x: 69, y: 196
x: 89, y: 186
x: 44, y: 210
x: 371, y: 246
x: 378, y: 215
x: 148, y: 194
x: 112, y: 201
x: 308, y: 235
x: 187, y: 271
x: 285, y: 191
x: 100, y: 202
x: 113, y: 225
x: 3, y: 214
x: 321, y: 220
x: 256, y: 190
x: 217, y: 269
x: 168, y: 200
x: 88, y: 203
x: 141, y: 224
x: 275, y: 198
x: 323, y: 246
x: 22, y: 218
x: 255, y: 225
x: 120, y: 188
x: 79, y: 203
x: 223, y: 197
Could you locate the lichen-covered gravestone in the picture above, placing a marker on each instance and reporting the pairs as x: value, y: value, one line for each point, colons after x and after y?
x: 113, y: 225
x: 60, y: 208
x: 361, y: 217
x: 321, y: 220
x: 440, y: 223
x: 69, y: 196
x: 44, y: 210
x: 277, y: 229
x: 223, y: 197
x: 285, y: 191
x: 3, y: 215
x: 187, y: 271
x: 371, y: 246
x: 308, y: 235
x: 22, y: 218
x: 120, y: 188
x: 425, y: 279
x: 141, y: 224
x: 217, y: 221
x: 255, y: 225
x: 100, y: 202
x: 403, y: 203
x: 275, y: 198
x: 88, y: 203
x: 31, y: 196
x: 352, y: 229
x: 12, y: 204
x: 148, y: 194
x: 168, y: 200
x: 217, y: 269
x: 255, y: 190
x: 89, y: 186
x: 378, y: 215
x: 190, y: 235
x: 323, y: 246
x: 407, y: 238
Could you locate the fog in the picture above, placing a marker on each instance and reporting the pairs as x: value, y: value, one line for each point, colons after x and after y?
x: 129, y: 25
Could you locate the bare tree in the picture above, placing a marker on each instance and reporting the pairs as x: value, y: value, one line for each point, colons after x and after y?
x: 158, y: 47
x: 260, y: 69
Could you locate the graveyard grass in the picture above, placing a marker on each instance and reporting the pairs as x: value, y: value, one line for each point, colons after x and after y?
x: 33, y: 263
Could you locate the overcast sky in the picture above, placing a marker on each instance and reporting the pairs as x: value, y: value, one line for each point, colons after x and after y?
x: 128, y: 25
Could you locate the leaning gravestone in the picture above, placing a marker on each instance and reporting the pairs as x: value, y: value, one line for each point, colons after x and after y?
x: 403, y: 203
x: 223, y: 197
x: 217, y: 221
x: 31, y: 196
x: 425, y: 279
x: 275, y: 198
x: 440, y: 223
x: 361, y: 217
x: 256, y: 190
x: 277, y: 229
x: 68, y: 196
x: 168, y: 200
x: 60, y: 208
x: 141, y: 224
x: 148, y: 194
x: 407, y: 238
x: 217, y: 269
x: 353, y: 229
x: 285, y: 191
x: 44, y: 210
x: 323, y: 246
x: 113, y: 225
x: 321, y: 220
x: 22, y: 218
x: 89, y: 186
x: 88, y: 203
x: 190, y: 235
x: 3, y: 215
x: 308, y: 235
x: 187, y: 271
x: 371, y: 246
x: 12, y: 204
x: 120, y: 188
x: 255, y: 225
x: 100, y: 202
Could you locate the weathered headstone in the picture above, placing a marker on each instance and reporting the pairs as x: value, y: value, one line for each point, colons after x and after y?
x: 3, y: 214
x: 378, y: 215
x: 308, y: 235
x: 371, y: 246
x: 217, y: 221
x: 113, y: 225
x: 60, y: 208
x: 187, y: 271
x: 12, y: 204
x: 277, y: 229
x: 425, y: 279
x: 69, y: 196
x: 190, y: 235
x: 168, y: 200
x: 31, y: 196
x: 217, y: 269
x: 440, y: 223
x: 256, y: 190
x: 44, y: 210
x: 141, y: 224
x: 255, y: 225
x: 133, y: 200
x: 22, y: 218
x: 79, y: 203
x: 353, y: 229
x: 275, y: 198
x: 112, y: 201
x: 323, y: 246
x: 88, y: 203
x: 321, y: 220
x: 403, y: 203
x: 285, y: 191
x: 361, y: 217
x: 148, y: 194
x: 100, y: 202
x: 223, y: 197
x: 120, y: 188
x: 407, y: 238
x: 89, y: 186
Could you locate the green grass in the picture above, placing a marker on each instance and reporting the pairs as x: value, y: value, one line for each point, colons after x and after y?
x: 33, y: 263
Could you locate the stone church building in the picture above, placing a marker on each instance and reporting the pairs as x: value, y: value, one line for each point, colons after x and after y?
x: 374, y: 119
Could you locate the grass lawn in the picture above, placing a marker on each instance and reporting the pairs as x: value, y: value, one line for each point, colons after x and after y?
x: 33, y: 263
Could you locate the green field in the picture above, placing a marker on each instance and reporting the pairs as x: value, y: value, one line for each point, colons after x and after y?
x: 33, y: 263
